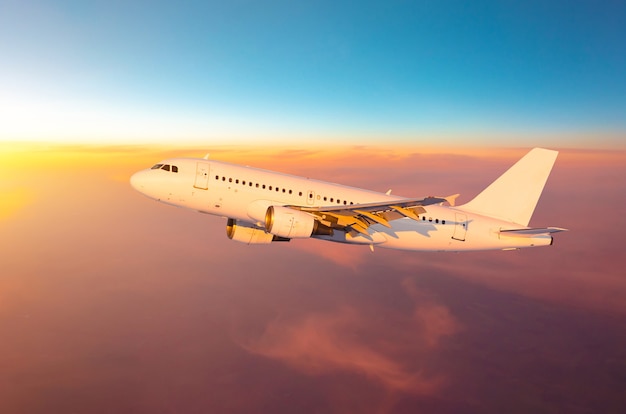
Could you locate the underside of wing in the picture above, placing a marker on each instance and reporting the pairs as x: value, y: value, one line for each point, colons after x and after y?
x: 358, y: 217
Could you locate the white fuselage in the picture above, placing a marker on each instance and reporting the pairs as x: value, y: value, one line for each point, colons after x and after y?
x: 244, y: 194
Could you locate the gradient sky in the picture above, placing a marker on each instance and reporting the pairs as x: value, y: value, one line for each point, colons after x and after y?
x: 532, y: 72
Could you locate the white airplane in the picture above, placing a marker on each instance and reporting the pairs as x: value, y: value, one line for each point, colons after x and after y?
x: 264, y: 206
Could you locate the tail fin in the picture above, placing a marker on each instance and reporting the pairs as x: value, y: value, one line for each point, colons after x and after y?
x: 514, y: 195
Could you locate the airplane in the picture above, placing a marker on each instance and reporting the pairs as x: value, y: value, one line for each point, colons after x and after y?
x: 263, y: 207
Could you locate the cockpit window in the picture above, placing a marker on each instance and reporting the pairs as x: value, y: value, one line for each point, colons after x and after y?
x: 165, y: 167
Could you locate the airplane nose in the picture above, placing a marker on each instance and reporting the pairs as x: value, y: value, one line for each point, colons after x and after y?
x: 136, y: 182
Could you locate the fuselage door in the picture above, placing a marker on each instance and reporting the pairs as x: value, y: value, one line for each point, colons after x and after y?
x: 310, y: 198
x: 460, y: 227
x: 202, y: 176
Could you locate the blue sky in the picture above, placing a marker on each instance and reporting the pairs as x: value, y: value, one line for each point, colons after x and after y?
x: 242, y: 71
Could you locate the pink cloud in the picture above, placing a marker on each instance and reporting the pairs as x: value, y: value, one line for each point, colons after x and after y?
x: 390, y: 347
x: 323, y: 343
x: 434, y: 319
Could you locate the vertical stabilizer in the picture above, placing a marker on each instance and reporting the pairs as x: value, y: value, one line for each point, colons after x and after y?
x: 514, y: 195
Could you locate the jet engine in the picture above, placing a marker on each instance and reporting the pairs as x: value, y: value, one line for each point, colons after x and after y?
x: 246, y: 233
x: 293, y: 224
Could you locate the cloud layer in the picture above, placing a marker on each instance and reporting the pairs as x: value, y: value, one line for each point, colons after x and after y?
x: 110, y: 302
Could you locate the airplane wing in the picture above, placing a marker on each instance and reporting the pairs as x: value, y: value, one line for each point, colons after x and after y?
x: 359, y: 217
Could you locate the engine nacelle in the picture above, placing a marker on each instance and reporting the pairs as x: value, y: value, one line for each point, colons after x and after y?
x: 292, y: 224
x: 246, y: 233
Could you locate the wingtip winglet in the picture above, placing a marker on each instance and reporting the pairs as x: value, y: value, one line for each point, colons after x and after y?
x: 452, y: 199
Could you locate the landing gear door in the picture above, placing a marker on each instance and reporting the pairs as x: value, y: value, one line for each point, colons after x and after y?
x: 460, y: 227
x: 202, y: 176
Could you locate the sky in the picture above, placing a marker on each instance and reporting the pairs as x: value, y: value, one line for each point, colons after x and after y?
x: 458, y: 73
x: 112, y: 302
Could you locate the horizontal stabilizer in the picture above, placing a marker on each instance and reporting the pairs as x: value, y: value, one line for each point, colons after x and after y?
x: 529, y: 232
